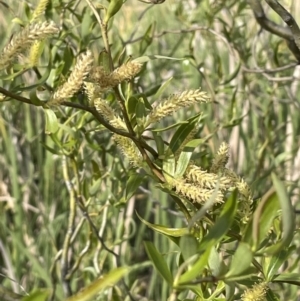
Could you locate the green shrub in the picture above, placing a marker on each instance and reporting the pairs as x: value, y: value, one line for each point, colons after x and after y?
x: 111, y: 166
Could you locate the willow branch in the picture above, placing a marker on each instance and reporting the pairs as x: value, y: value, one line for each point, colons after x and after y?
x: 103, y: 27
x: 65, y: 264
x: 288, y: 19
x: 91, y: 110
x: 15, y: 96
x: 281, y: 31
x: 267, y: 24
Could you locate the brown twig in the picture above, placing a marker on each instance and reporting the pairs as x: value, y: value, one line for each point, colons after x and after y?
x: 281, y: 31
x: 15, y: 96
x: 288, y: 19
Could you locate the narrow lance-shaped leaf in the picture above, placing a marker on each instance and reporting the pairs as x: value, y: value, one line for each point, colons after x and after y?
x: 169, y: 164
x: 51, y: 121
x: 185, y: 156
x: 39, y: 295
x: 132, y: 185
x: 188, y: 246
x: 263, y: 218
x: 158, y: 261
x: 113, y: 7
x: 288, y: 218
x: 196, y: 269
x: 174, y: 232
x: 222, y: 224
x: 292, y: 278
x: 99, y: 285
x: 182, y: 132
x: 241, y: 260
x: 272, y: 264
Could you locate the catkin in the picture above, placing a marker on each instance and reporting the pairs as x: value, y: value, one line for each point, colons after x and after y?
x: 75, y: 80
x: 24, y: 39
x: 175, y: 102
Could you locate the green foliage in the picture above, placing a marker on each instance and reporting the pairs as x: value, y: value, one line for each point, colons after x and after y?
x: 120, y: 179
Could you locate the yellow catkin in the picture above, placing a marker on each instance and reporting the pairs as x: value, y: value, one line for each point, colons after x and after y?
x: 40, y: 10
x: 106, y: 80
x: 231, y: 175
x: 92, y: 90
x: 102, y: 78
x: 220, y: 159
x: 256, y: 293
x: 108, y: 113
x: 246, y: 200
x: 127, y: 71
x: 175, y: 102
x: 75, y: 80
x: 206, y: 180
x: 129, y: 150
x: 35, y: 52
x: 24, y: 39
x: 194, y: 192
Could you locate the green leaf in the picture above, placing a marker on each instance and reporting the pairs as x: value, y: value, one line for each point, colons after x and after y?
x: 86, y: 24
x: 18, y: 20
x: 241, y: 261
x: 113, y: 7
x: 196, y: 289
x: 131, y: 104
x: 132, y: 185
x: 160, y: 145
x: 292, y: 278
x: 232, y: 75
x: 195, y: 270
x: 263, y: 218
x: 51, y: 121
x: 34, y: 99
x: 99, y: 285
x: 11, y: 76
x: 219, y: 290
x: 288, y: 218
x: 216, y: 265
x: 140, y: 113
x: 185, y: 156
x: 162, y: 88
x: 271, y: 296
x: 174, y: 232
x: 182, y: 132
x: 158, y: 261
x: 272, y: 264
x: 262, y: 221
x: 288, y: 213
x: 223, y: 223
x: 51, y: 149
x: 147, y: 58
x: 147, y: 39
x: 168, y: 127
x: 104, y: 60
x: 169, y: 164
x: 39, y: 295
x: 68, y: 59
x: 95, y: 187
x: 188, y: 246
x: 229, y: 290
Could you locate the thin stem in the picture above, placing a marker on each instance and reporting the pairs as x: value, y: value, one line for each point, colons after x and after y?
x: 91, y: 110
x: 15, y: 96
x: 71, y: 221
x: 103, y: 27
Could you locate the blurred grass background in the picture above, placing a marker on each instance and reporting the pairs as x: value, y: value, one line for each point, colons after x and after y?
x: 257, y: 113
